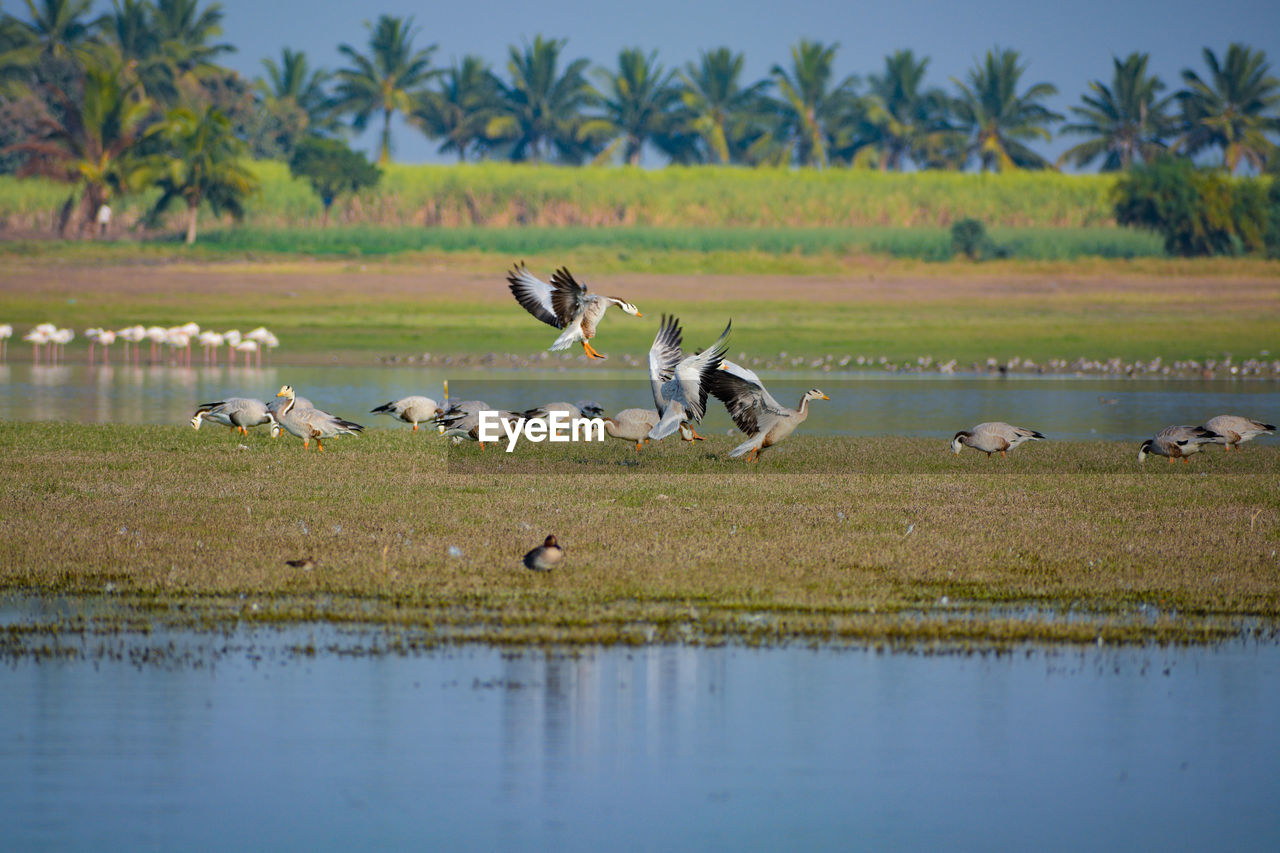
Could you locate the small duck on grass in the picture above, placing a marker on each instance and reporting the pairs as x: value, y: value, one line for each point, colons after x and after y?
x: 547, y: 556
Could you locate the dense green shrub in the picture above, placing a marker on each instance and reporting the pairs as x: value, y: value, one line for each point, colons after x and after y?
x: 1197, y: 211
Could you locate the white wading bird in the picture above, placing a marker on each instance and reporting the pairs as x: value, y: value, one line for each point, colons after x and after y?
x: 564, y: 304
x: 680, y: 382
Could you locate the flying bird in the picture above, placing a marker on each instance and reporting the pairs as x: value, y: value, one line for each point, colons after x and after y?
x: 564, y: 304
x: 680, y: 383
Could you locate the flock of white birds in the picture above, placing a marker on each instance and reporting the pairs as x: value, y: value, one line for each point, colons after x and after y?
x: 171, y: 345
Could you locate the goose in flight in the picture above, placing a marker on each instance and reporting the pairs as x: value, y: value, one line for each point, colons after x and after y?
x: 564, y: 304
x: 680, y: 382
x: 753, y: 409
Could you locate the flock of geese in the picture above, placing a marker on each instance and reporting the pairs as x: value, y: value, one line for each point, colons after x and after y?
x: 681, y: 384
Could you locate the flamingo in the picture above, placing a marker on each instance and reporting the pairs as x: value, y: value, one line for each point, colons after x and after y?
x: 91, y: 335
x: 38, y: 338
x: 247, y: 347
x: 106, y: 337
x: 6, y: 332
x: 212, y: 342
x: 157, y: 336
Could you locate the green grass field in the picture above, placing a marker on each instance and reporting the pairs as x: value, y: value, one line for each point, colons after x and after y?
x: 825, y: 540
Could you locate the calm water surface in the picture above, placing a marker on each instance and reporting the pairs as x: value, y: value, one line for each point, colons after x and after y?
x: 666, y: 748
x: 862, y: 404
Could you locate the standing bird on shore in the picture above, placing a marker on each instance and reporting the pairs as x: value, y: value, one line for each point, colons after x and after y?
x: 311, y: 423
x: 411, y: 410
x: 564, y: 304
x: 1177, y: 442
x: 6, y: 332
x: 761, y: 418
x: 1234, y: 430
x: 547, y: 556
x: 239, y: 413
x: 680, y: 383
x: 993, y: 437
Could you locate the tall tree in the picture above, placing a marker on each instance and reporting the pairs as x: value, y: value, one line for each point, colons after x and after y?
x: 131, y: 28
x: 635, y: 102
x: 908, y: 120
x: 387, y: 80
x: 1234, y: 109
x: 91, y: 140
x: 332, y: 169
x: 202, y: 162
x: 998, y: 119
x: 542, y: 106
x: 1127, y: 121
x: 187, y: 32
x: 62, y: 29
x: 812, y: 103
x: 725, y: 113
x: 293, y: 80
x: 459, y: 110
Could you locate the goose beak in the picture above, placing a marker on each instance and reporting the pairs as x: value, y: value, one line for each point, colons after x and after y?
x: 638, y: 314
x: 825, y: 397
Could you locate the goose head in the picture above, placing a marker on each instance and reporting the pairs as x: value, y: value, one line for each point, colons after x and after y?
x: 286, y: 391
x: 628, y: 308
x: 1144, y: 450
x: 815, y: 394
x: 957, y: 443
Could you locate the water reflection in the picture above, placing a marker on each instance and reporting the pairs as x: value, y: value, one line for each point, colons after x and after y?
x: 862, y: 404
x: 652, y: 748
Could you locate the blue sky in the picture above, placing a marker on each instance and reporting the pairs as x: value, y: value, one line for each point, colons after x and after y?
x: 1067, y: 44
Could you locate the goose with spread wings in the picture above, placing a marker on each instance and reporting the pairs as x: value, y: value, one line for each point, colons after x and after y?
x: 754, y: 410
x: 679, y: 381
x: 566, y: 305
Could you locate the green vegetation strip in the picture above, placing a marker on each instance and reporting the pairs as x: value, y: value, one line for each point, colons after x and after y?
x: 870, y: 541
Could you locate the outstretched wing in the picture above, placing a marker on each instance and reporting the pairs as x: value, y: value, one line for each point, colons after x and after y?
x: 694, y: 374
x: 567, y: 295
x: 747, y: 402
x: 664, y: 357
x: 534, y: 294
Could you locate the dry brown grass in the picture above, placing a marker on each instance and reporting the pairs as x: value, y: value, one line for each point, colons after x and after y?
x: 823, y: 540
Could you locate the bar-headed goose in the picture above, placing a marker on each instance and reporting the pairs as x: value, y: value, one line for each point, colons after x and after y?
x: 1234, y: 430
x: 239, y: 413
x: 761, y: 418
x: 993, y: 437
x: 1177, y: 442
x: 680, y: 382
x: 311, y: 423
x: 564, y: 304
x: 411, y: 410
x: 632, y: 425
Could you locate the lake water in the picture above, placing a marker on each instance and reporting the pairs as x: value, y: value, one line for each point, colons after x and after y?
x: 1062, y: 407
x: 236, y: 743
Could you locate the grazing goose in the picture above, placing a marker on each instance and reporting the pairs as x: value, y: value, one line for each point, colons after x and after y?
x: 1177, y: 442
x: 545, y: 557
x: 993, y: 437
x: 411, y: 410
x: 680, y: 382
x: 462, y: 420
x: 564, y: 304
x: 239, y: 413
x: 632, y: 425
x: 311, y: 423
x: 1234, y: 430
x: 580, y: 409
x: 761, y: 418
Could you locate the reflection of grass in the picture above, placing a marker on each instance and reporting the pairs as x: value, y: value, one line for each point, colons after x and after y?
x: 824, y: 539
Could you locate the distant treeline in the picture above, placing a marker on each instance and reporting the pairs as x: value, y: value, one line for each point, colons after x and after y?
x: 135, y: 101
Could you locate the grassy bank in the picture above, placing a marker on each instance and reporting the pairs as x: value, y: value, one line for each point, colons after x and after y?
x: 877, y: 540
x: 501, y: 194
x: 354, y: 310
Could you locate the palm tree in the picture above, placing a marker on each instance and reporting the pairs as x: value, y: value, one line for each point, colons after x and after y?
x: 908, y: 120
x: 540, y: 105
x: 727, y: 115
x: 202, y: 163
x: 132, y: 30
x: 1234, y: 109
x: 61, y: 29
x: 812, y: 103
x: 186, y: 31
x: 388, y: 80
x: 1128, y: 120
x: 636, y: 102
x: 460, y: 109
x: 293, y: 81
x: 998, y: 119
x: 90, y: 140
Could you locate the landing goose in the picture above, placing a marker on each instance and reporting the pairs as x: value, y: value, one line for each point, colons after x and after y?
x: 680, y: 382
x: 753, y: 409
x: 564, y: 304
